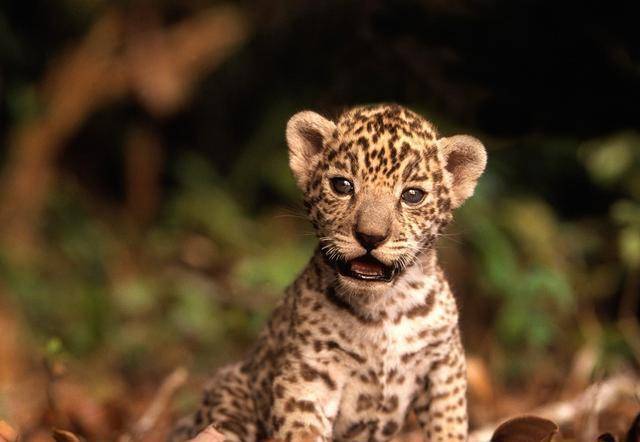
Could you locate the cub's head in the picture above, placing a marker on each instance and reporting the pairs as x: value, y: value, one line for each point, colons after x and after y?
x: 379, y: 186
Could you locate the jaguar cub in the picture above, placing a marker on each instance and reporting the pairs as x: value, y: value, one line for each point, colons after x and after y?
x: 369, y: 330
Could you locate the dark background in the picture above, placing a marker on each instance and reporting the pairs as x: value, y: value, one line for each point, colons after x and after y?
x: 148, y: 218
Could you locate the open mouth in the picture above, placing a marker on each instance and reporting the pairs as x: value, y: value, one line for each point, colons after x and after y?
x: 366, y: 268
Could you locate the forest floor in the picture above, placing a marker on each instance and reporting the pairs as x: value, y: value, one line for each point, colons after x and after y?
x: 51, y: 398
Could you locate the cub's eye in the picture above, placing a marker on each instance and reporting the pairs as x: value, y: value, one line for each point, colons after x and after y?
x: 341, y: 186
x: 413, y: 196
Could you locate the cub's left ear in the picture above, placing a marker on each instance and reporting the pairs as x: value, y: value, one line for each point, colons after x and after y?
x: 306, y: 134
x: 465, y: 159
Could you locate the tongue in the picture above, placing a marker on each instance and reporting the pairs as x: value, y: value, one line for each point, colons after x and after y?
x: 367, y: 267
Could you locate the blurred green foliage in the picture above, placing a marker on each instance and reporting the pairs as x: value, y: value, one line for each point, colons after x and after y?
x: 204, y: 277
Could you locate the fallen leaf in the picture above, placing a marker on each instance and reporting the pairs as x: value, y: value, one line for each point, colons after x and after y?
x: 64, y: 436
x: 7, y: 433
x: 525, y: 429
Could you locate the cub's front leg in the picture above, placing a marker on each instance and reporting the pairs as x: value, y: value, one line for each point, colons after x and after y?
x: 441, y: 407
x: 306, y: 397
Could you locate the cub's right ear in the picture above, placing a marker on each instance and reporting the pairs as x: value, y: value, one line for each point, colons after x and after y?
x: 306, y: 134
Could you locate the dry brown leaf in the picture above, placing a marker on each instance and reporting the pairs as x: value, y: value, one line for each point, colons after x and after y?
x: 64, y: 436
x: 525, y: 429
x: 7, y: 433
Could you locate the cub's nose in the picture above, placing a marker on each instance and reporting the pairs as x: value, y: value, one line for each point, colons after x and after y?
x: 370, y: 242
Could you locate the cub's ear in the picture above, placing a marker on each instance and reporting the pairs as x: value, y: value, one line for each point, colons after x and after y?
x: 465, y: 159
x: 306, y: 134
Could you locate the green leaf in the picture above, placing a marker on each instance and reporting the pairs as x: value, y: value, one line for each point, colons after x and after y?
x: 629, y: 247
x: 608, y: 159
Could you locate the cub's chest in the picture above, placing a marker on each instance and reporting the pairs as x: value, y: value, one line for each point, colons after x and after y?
x: 379, y: 392
x: 374, y: 407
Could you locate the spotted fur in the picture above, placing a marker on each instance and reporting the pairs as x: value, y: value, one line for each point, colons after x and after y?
x: 343, y: 359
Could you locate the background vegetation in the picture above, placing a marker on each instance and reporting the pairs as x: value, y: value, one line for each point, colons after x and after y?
x: 148, y: 218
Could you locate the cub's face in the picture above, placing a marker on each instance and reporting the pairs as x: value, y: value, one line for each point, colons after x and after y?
x: 379, y: 186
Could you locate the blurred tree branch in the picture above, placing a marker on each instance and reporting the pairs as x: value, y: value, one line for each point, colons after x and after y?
x: 159, y: 66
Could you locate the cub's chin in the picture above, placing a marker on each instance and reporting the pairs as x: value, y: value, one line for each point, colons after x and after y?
x: 357, y: 287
